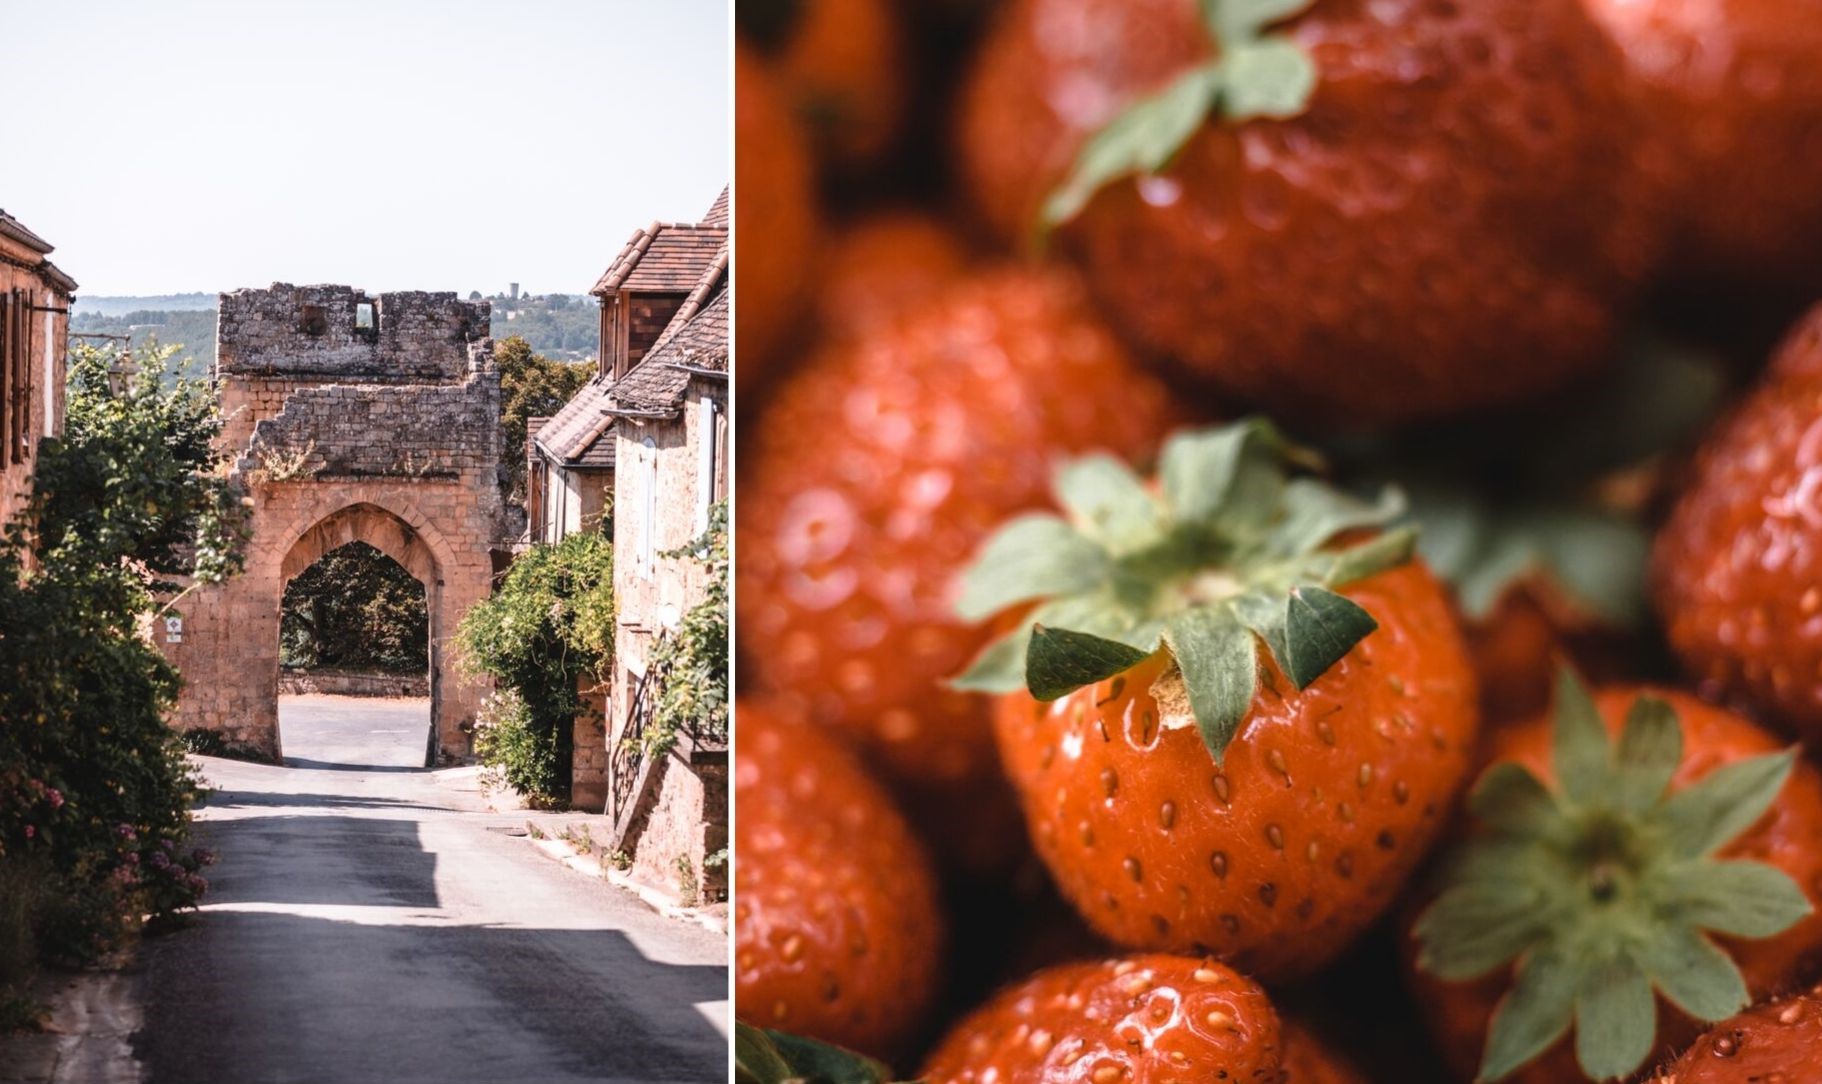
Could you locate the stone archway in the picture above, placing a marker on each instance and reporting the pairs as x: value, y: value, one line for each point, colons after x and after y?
x: 348, y: 419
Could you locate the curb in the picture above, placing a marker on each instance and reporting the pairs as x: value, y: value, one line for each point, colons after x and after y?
x: 561, y: 852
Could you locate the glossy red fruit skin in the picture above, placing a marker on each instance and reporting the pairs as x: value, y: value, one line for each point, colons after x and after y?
x: 1737, y: 568
x: 1777, y: 1042
x: 838, y: 932
x: 1452, y: 224
x: 774, y: 220
x: 883, y: 264
x: 1276, y: 858
x: 1143, y: 1019
x: 1307, y: 1060
x: 1732, y: 93
x: 1458, y: 1013
x: 877, y: 470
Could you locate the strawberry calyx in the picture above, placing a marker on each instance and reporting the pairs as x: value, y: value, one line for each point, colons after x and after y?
x: 1228, y: 551
x: 764, y: 1056
x: 1254, y: 74
x: 1604, y: 891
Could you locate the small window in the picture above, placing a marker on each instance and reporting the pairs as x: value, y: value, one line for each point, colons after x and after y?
x: 314, y: 322
x: 363, y: 316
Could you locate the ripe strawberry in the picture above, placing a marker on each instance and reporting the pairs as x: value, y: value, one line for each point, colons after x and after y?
x: 874, y: 473
x: 1379, y: 212
x: 841, y: 65
x: 1776, y: 1042
x: 1141, y: 1019
x: 1187, y: 790
x: 1732, y: 90
x: 838, y: 933
x: 1622, y: 886
x: 774, y: 215
x: 882, y: 265
x: 1737, y: 566
x: 1307, y: 1060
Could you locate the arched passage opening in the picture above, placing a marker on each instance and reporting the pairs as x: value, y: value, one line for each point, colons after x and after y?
x: 357, y: 644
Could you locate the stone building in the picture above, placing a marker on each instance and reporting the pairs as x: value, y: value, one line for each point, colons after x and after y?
x: 671, y: 435
x: 35, y: 300
x: 348, y: 417
x: 571, y: 456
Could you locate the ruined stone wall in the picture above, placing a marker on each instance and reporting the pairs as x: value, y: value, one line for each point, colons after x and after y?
x: 336, y: 439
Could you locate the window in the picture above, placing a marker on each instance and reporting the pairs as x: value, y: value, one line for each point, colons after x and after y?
x: 363, y: 316
x: 648, y: 505
x: 707, y: 460
x: 313, y: 322
x: 15, y: 377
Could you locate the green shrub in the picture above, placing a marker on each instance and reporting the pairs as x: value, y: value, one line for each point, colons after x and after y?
x: 693, y: 663
x: 550, y: 622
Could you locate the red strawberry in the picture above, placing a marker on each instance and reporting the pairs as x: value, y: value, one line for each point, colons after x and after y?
x: 1619, y: 888
x: 1133, y: 1020
x: 1776, y: 1042
x: 1366, y: 212
x: 1307, y: 1060
x: 1737, y: 567
x: 841, y: 65
x: 874, y: 473
x: 838, y: 932
x: 775, y: 218
x: 1732, y: 90
x: 876, y: 268
x: 1187, y: 790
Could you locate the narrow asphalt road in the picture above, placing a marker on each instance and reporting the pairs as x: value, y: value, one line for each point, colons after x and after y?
x: 378, y: 924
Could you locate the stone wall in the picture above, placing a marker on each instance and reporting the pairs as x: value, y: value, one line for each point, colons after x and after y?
x: 687, y: 823
x: 335, y: 439
x: 588, y: 759
x: 332, y: 681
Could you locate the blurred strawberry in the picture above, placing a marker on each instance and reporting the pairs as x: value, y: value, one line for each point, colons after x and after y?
x: 883, y: 264
x: 774, y: 220
x: 841, y: 66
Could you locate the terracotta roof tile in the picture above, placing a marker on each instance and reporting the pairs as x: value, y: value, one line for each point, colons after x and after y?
x: 573, y: 432
x: 657, y: 384
x: 663, y: 258
x: 718, y: 211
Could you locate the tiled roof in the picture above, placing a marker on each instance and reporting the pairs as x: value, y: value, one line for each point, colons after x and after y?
x: 718, y: 211
x: 663, y: 258
x: 13, y: 228
x: 711, y: 281
x: 657, y: 384
x: 573, y: 435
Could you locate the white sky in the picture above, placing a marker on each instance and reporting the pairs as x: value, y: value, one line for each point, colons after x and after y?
x: 388, y: 144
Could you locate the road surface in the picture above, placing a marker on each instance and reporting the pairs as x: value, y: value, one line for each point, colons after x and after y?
x: 379, y: 925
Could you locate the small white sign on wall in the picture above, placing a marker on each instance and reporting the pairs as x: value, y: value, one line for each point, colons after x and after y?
x: 173, y: 630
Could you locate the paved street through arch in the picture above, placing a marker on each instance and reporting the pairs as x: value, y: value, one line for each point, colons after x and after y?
x: 382, y: 925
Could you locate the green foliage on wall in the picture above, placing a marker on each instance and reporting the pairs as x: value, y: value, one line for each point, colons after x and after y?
x: 692, y: 663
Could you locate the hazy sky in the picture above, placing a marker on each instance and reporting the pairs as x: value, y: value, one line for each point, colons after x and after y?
x: 388, y: 144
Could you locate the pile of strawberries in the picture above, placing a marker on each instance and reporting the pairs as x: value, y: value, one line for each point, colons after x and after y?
x: 1268, y: 546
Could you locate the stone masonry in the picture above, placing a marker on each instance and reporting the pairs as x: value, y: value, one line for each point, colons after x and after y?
x: 348, y: 417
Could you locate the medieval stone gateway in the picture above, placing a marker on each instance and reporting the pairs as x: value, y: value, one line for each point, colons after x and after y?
x: 348, y: 418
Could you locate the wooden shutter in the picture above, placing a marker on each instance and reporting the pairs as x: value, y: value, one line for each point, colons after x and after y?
x: 28, y: 370
x: 7, y: 328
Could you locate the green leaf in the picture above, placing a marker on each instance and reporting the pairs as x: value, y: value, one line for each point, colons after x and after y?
x: 1651, y: 747
x: 1315, y: 512
x: 1706, y: 815
x: 1109, y: 502
x: 1264, y: 612
x: 1692, y: 973
x: 1271, y: 77
x: 1219, y: 658
x: 777, y: 1057
x: 1534, y: 1015
x: 1319, y: 628
x: 1737, y: 898
x: 1475, y: 927
x: 1143, y: 139
x: 1238, y: 20
x: 1597, y: 558
x: 1509, y: 799
x: 1034, y: 556
x: 1580, y: 745
x: 1000, y: 667
x: 1369, y: 558
x: 1615, y: 1019
x: 1231, y: 475
x: 1060, y: 661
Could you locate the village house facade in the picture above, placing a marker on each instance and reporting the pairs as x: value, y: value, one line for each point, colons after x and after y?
x: 35, y: 299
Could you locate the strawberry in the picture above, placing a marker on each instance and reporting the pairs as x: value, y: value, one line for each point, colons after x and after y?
x: 1776, y: 1042
x: 1307, y: 1060
x: 883, y: 264
x: 1736, y: 567
x: 841, y: 65
x: 878, y: 467
x: 1143, y: 1019
x: 774, y: 214
x: 1639, y: 860
x: 1731, y: 90
x: 1363, y: 212
x: 838, y: 933
x: 1188, y: 790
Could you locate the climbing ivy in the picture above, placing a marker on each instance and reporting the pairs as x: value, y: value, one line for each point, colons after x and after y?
x: 550, y: 623
x: 693, y: 661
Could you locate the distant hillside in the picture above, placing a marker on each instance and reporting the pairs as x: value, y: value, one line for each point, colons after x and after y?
x: 120, y: 306
x: 564, y: 327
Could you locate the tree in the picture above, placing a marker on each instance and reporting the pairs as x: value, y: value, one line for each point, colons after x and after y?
x: 531, y: 386
x: 355, y: 608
